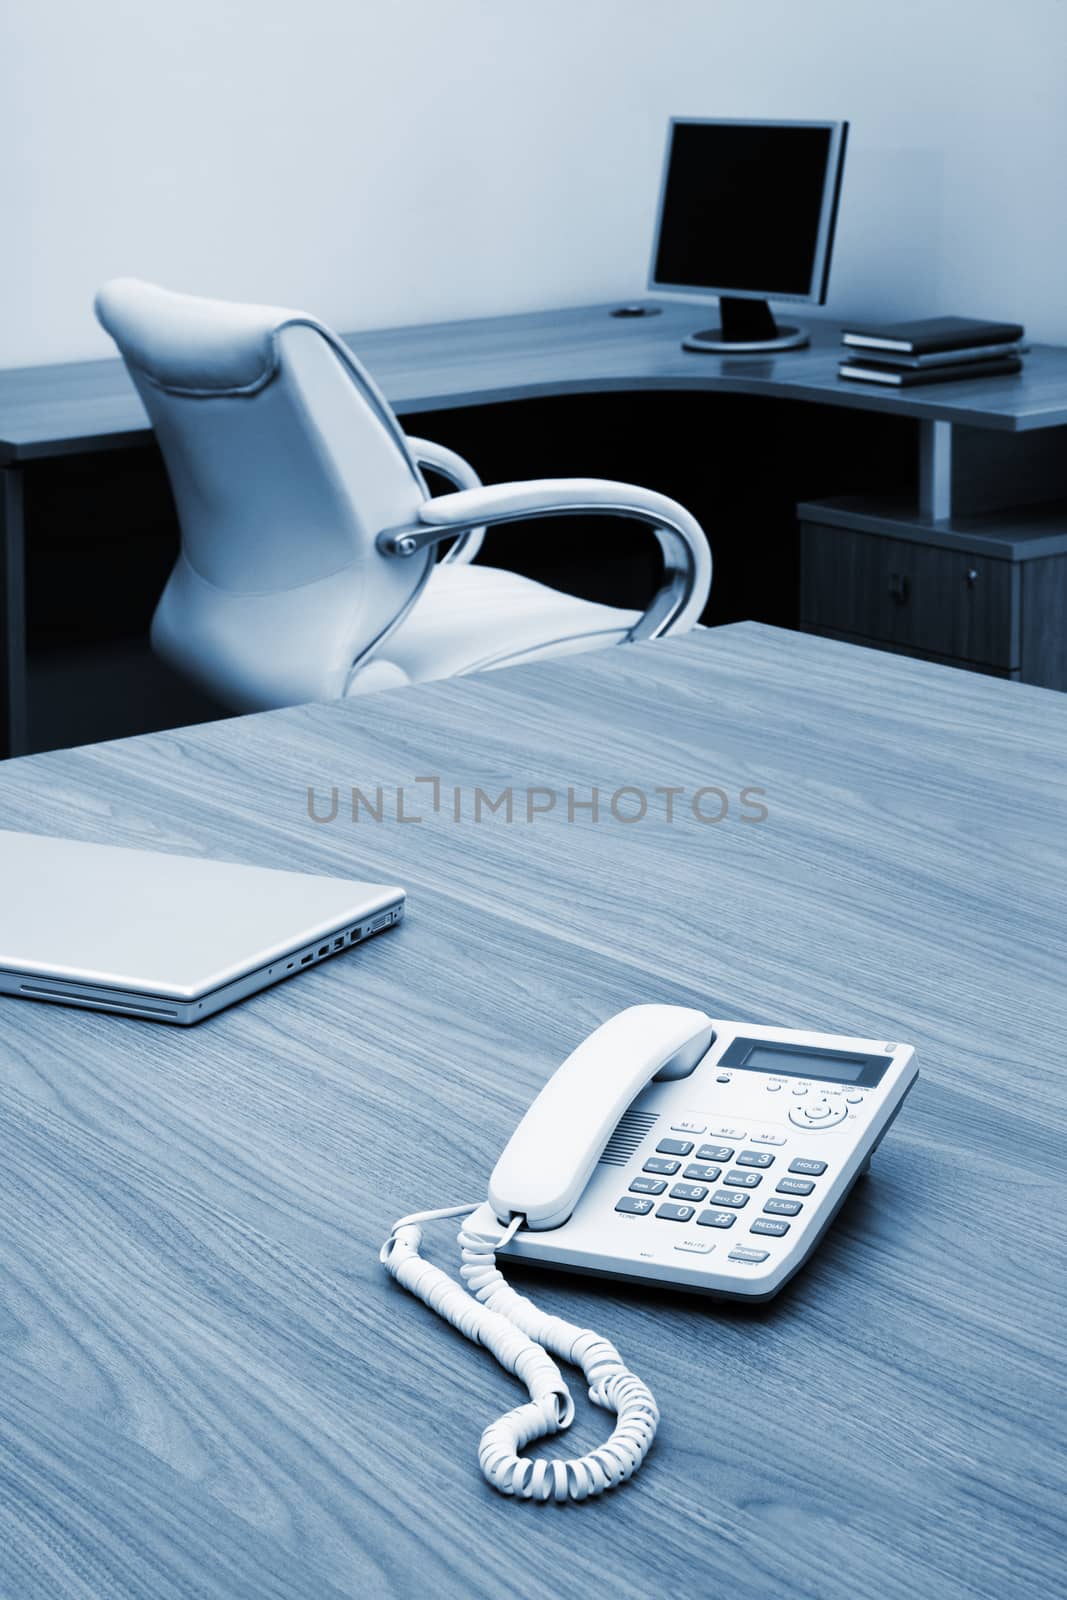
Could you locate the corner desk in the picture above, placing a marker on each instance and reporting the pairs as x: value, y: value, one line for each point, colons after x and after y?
x: 208, y: 1384
x: 988, y: 517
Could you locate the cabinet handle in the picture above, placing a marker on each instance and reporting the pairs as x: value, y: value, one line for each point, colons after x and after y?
x: 899, y: 587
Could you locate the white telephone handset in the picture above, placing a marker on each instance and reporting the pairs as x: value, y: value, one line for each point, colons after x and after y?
x: 537, y: 1182
x: 550, y: 1156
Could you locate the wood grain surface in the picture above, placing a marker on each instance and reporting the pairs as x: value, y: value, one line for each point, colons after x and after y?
x: 208, y: 1386
x: 92, y: 405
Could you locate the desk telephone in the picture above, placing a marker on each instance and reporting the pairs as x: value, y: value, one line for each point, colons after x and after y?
x: 668, y: 1149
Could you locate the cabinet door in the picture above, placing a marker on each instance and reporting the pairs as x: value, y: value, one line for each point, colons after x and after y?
x: 948, y: 603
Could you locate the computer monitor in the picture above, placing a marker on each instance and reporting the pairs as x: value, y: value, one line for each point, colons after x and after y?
x: 747, y: 213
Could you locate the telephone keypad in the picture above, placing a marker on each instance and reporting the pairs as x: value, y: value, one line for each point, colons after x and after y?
x: 743, y: 1180
x: 685, y: 1195
x: 716, y: 1219
x: 689, y: 1191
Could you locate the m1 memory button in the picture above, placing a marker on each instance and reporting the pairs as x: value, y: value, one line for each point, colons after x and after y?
x: 742, y: 1253
x: 812, y: 1169
x: 697, y: 1247
x: 635, y: 1206
x: 687, y: 1125
x: 795, y: 1186
x: 769, y: 1225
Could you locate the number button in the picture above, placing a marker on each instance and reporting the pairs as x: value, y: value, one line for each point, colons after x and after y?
x: 743, y: 1180
x: 674, y: 1147
x: 657, y: 1164
x: 755, y: 1158
x: 648, y: 1186
x: 702, y: 1172
x: 729, y: 1197
x: 634, y: 1206
x: 671, y: 1213
x: 688, y: 1191
x: 715, y: 1152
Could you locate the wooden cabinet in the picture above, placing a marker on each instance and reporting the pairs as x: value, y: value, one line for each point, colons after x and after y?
x: 987, y: 592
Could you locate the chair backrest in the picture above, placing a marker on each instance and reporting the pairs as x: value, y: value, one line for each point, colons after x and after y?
x: 286, y: 463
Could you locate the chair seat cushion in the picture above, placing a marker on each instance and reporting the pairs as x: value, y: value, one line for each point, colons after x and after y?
x: 469, y: 619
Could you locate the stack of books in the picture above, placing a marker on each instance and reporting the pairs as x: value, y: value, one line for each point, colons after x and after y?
x: 932, y: 350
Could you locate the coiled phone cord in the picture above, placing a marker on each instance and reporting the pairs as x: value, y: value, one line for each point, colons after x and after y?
x: 516, y: 1332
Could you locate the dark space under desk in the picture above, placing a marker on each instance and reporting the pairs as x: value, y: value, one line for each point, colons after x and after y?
x: 956, y: 449
x: 209, y: 1386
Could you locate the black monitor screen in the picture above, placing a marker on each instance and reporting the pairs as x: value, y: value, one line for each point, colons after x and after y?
x: 741, y: 207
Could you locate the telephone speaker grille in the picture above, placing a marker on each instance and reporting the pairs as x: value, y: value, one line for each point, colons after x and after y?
x: 631, y: 1129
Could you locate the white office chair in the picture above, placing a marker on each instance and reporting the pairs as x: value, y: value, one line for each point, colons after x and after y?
x: 307, y: 569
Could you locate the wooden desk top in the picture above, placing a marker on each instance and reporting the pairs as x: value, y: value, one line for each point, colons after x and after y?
x: 207, y: 1383
x: 91, y: 405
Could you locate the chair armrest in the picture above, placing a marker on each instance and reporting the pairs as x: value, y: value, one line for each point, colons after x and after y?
x: 448, y: 464
x: 686, y: 556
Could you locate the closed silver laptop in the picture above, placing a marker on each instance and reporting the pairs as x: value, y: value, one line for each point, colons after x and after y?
x: 171, y: 938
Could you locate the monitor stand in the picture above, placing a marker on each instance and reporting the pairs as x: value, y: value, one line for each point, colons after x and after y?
x: 745, y: 325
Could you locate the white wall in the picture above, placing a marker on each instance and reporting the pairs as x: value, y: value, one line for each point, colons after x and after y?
x: 416, y: 159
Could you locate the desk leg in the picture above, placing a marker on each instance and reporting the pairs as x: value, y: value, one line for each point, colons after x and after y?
x: 12, y: 614
x: 935, y: 470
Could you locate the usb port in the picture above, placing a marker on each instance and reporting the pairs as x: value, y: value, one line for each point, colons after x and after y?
x: 305, y: 959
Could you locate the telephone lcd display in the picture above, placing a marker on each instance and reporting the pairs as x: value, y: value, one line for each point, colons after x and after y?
x: 805, y: 1063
